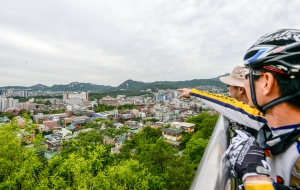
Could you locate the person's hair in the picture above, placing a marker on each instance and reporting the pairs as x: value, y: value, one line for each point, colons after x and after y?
x: 287, y: 86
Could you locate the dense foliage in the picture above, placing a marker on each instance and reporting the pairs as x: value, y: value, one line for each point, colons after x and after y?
x: 145, y: 161
x: 104, y: 107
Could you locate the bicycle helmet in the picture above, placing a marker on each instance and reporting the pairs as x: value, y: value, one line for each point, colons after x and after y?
x: 278, y: 52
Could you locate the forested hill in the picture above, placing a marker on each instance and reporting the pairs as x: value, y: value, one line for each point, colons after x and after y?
x: 130, y: 84
x: 127, y: 85
x: 73, y: 86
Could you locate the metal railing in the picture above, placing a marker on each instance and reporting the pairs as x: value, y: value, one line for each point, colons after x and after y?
x: 213, y: 172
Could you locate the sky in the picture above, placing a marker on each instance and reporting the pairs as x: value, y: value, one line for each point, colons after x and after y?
x: 107, y: 42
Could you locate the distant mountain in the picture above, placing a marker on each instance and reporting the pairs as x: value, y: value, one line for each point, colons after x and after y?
x: 218, y: 78
x: 79, y: 86
x: 126, y: 85
x: 130, y: 84
x: 38, y: 87
x: 73, y: 86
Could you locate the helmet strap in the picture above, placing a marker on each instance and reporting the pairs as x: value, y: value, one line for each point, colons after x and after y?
x: 279, y: 100
x: 252, y: 89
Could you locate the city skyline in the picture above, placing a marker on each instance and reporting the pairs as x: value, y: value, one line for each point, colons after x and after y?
x: 107, y: 43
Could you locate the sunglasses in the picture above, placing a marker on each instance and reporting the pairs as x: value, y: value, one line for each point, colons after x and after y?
x: 255, y: 73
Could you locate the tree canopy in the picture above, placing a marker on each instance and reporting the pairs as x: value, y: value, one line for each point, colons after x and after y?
x: 145, y: 160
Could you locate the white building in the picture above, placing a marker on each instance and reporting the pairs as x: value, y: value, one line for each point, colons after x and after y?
x: 20, y: 93
x: 10, y: 91
x: 76, y: 95
x: 65, y: 132
x: 10, y: 102
x: 3, y: 104
x: 75, y: 98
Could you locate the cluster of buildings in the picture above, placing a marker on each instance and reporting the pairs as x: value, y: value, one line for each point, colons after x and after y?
x: 11, y: 92
x: 164, y: 107
x: 8, y: 103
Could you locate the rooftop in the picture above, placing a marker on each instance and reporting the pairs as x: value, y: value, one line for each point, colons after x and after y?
x: 172, y: 130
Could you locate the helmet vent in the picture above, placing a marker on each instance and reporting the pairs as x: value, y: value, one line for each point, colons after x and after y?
x: 278, y: 42
x: 295, y: 59
x: 294, y: 49
x: 250, y: 54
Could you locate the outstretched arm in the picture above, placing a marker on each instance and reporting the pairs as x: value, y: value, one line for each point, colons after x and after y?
x: 229, y: 107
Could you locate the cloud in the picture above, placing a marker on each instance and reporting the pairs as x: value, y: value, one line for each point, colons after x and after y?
x: 108, y: 42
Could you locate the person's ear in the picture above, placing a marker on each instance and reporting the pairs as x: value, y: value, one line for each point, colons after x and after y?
x: 241, y: 90
x: 268, y: 83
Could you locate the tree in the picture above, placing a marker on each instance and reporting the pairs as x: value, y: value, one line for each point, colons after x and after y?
x: 127, y: 107
x: 129, y: 174
x: 180, y: 173
x: 204, y: 122
x: 38, y: 140
x: 156, y: 157
x: 39, y: 102
x: 46, y: 112
x: 90, y: 137
x: 48, y: 102
x: 195, y: 149
x: 185, y: 138
x: 17, y: 170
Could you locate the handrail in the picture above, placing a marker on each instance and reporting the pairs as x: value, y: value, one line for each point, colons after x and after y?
x: 213, y: 173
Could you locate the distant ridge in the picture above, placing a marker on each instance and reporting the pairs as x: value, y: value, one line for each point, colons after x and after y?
x: 218, y: 78
x: 73, y: 86
x: 126, y: 85
x: 131, y: 84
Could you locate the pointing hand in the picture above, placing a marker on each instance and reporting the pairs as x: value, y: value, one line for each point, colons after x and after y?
x: 185, y: 93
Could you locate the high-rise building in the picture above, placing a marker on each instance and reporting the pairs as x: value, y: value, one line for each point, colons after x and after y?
x: 3, y: 104
x: 10, y: 102
x: 10, y: 91
x: 20, y: 93
x: 15, y: 103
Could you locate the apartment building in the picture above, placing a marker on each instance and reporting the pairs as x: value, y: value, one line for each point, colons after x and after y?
x: 109, y: 101
x: 73, y: 96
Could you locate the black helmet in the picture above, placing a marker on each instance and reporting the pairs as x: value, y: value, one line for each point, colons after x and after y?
x: 278, y: 51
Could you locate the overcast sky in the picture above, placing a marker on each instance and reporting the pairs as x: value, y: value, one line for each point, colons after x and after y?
x: 107, y: 42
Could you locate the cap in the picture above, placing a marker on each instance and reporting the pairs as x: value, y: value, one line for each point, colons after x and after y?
x: 236, y: 77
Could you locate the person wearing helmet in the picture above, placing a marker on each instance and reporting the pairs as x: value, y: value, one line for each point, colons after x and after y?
x: 273, y: 83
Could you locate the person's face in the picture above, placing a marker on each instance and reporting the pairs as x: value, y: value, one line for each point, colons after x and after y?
x: 232, y: 91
